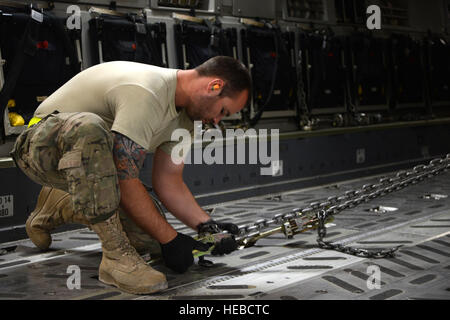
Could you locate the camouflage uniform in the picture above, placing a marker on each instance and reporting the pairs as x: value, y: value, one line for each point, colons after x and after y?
x: 72, y: 152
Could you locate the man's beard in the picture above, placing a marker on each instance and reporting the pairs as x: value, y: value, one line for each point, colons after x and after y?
x: 194, y: 115
x: 199, y: 109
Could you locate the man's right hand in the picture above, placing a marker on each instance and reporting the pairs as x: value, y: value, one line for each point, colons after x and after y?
x: 177, y: 253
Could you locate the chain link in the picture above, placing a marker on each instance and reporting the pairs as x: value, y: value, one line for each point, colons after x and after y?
x: 316, y: 214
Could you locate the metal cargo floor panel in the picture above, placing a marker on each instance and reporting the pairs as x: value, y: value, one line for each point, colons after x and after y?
x: 276, y: 267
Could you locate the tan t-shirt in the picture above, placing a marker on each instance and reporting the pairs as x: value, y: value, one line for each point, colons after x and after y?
x: 134, y: 99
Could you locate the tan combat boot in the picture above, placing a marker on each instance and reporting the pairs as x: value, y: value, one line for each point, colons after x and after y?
x: 121, y: 265
x: 139, y: 239
x: 54, y: 208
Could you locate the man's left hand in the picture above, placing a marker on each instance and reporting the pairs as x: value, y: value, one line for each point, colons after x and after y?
x: 227, y: 244
x: 212, y: 227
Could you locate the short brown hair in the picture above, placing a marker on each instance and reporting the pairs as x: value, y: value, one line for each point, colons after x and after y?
x: 231, y: 71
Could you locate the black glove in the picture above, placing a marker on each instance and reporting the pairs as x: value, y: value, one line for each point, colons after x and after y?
x: 227, y: 244
x: 212, y: 227
x: 224, y: 246
x: 177, y: 253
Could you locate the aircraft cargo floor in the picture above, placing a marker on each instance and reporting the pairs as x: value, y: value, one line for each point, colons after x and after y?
x: 276, y: 268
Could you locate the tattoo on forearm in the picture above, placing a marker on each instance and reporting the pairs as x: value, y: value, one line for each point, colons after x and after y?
x: 128, y: 156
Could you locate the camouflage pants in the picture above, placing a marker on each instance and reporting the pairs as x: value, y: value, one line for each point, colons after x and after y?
x: 72, y: 152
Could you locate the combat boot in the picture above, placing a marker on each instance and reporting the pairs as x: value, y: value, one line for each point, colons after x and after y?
x: 139, y: 239
x: 121, y: 265
x: 54, y: 208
